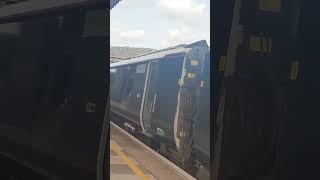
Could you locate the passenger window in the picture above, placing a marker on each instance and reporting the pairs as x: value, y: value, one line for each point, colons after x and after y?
x: 141, y: 69
x: 113, y: 71
x: 129, y: 83
x: 113, y: 74
x: 129, y: 86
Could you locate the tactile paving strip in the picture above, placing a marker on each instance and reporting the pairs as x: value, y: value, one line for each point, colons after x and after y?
x: 124, y: 167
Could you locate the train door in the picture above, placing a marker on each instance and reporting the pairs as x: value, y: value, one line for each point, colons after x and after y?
x: 166, y: 98
x: 150, y: 96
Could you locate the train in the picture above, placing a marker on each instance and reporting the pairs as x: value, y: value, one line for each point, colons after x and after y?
x: 165, y: 96
x: 54, y: 89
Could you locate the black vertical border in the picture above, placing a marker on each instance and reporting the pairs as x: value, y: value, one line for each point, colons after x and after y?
x: 221, y: 13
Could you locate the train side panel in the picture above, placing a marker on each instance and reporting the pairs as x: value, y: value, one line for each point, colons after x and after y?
x: 166, y: 97
x: 175, y: 108
x: 202, y: 119
x: 127, y: 88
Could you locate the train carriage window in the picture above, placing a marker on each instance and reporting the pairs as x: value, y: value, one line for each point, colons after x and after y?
x: 129, y: 82
x: 113, y: 71
x: 129, y: 86
x: 113, y: 78
x: 117, y: 81
x: 141, y: 68
x: 134, y: 83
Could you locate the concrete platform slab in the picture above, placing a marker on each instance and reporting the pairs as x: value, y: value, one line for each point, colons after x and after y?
x: 131, y: 159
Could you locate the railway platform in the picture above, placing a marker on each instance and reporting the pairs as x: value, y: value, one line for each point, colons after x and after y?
x: 131, y: 159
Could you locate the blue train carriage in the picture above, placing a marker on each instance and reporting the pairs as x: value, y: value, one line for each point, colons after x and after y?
x: 54, y: 87
x: 203, y: 127
x: 165, y: 95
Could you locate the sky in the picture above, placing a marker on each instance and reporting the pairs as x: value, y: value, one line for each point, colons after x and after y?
x: 159, y: 24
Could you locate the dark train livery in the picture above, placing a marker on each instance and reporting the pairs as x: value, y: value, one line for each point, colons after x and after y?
x: 165, y: 95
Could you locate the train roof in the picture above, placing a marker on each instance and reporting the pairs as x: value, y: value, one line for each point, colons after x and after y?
x: 179, y: 49
x: 14, y: 12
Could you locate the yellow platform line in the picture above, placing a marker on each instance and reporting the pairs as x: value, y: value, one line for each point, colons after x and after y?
x: 125, y: 158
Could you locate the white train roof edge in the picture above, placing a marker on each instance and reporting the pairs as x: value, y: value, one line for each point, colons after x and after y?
x: 159, y: 54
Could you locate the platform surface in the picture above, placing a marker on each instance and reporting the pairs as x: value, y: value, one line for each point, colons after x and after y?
x: 132, y: 160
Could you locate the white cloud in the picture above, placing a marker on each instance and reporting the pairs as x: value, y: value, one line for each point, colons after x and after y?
x: 192, y: 13
x: 124, y: 3
x: 189, y: 19
x: 183, y: 35
x: 132, y: 35
x: 183, y: 6
x: 129, y: 3
x: 119, y: 36
x: 159, y: 23
x: 175, y: 37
